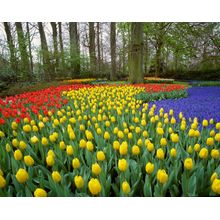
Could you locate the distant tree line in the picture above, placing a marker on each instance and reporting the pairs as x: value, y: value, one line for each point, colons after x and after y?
x: 112, y: 50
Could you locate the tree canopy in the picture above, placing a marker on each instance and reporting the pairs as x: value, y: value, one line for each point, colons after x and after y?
x: 49, y: 51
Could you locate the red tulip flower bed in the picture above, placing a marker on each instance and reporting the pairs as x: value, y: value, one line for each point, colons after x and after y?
x: 22, y: 105
x: 40, y: 102
x: 154, y: 88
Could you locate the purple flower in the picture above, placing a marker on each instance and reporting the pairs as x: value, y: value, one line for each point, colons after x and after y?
x: 202, y: 102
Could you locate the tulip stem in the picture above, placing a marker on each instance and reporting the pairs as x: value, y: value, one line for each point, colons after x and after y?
x: 187, y: 183
x: 161, y: 192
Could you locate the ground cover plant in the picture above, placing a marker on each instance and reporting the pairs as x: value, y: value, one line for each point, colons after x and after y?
x: 161, y: 95
x: 86, y: 140
x: 205, y: 83
x: 80, y: 81
x: 158, y: 80
x: 201, y: 102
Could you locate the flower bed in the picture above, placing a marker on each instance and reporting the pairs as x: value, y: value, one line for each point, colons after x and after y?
x: 202, y: 102
x: 48, y: 99
x: 80, y: 81
x: 205, y: 83
x: 176, y: 94
x: 22, y: 105
x: 153, y: 88
x: 94, y: 141
x: 158, y: 80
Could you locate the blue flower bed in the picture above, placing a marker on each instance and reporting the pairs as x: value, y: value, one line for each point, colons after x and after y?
x: 202, y: 102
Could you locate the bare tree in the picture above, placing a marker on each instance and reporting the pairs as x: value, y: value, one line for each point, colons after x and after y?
x: 55, y: 46
x: 102, y: 47
x: 11, y: 46
x: 146, y: 53
x: 92, y: 52
x: 62, y: 63
x: 45, y: 53
x: 23, y: 51
x: 29, y: 49
x: 123, y: 49
x: 161, y: 29
x: 113, y: 50
x: 74, y: 48
x: 98, y: 46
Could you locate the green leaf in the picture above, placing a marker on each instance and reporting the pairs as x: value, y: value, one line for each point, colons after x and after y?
x: 136, y: 184
x: 157, y: 190
x: 147, y: 187
x: 192, y: 185
x: 174, y: 191
x: 115, y: 189
x: 55, y: 187
x: 28, y: 193
x: 108, y: 185
x: 88, y: 157
x: 170, y: 181
x: 184, y: 184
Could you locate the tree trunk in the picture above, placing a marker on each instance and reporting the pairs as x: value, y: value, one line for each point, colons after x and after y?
x: 92, y: 52
x: 98, y: 47
x: 74, y: 48
x: 102, y: 51
x: 62, y: 63
x: 23, y: 51
x: 129, y: 47
x: 119, y: 63
x: 161, y: 28
x: 146, y: 53
x: 158, y: 57
x: 45, y: 53
x: 136, y: 53
x: 55, y: 46
x: 29, y: 49
x: 176, y: 59
x: 113, y: 50
x: 123, y: 51
x: 13, y: 60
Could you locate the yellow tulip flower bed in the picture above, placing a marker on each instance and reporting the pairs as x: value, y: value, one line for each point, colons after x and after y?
x: 104, y: 142
x: 79, y: 81
x: 158, y: 80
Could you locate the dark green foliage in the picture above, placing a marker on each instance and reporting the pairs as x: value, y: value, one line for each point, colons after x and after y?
x: 107, y: 82
x: 7, y: 76
x: 205, y: 83
x: 148, y: 97
x: 170, y: 81
x: 181, y: 51
x: 15, y: 88
x: 194, y: 74
x: 24, y: 67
